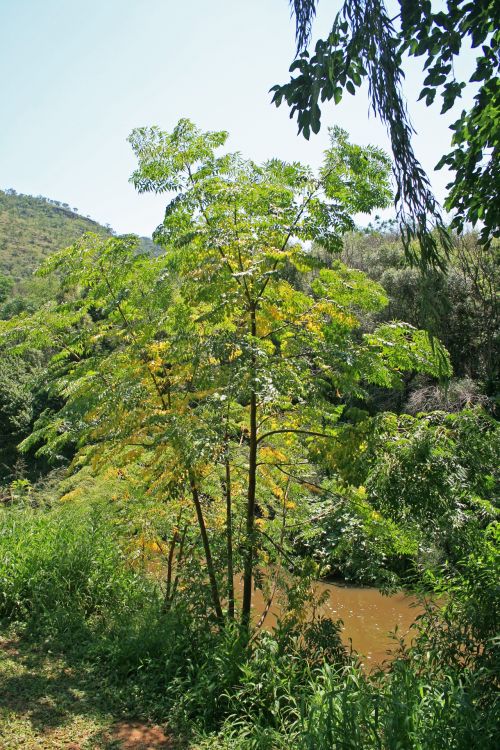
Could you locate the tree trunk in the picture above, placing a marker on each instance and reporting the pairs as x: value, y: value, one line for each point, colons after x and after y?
x: 180, y: 555
x: 170, y: 562
x: 206, y: 546
x: 252, y: 480
x: 229, y: 538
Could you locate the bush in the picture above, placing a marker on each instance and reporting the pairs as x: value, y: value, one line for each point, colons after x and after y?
x: 356, y: 542
x: 408, y: 493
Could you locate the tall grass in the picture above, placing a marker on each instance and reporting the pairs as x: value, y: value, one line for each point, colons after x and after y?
x: 398, y: 709
x: 65, y: 577
x: 62, y: 571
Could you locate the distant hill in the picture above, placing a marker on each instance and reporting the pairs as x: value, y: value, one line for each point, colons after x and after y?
x: 32, y: 228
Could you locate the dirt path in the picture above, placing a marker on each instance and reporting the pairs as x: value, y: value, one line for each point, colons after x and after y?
x: 48, y: 704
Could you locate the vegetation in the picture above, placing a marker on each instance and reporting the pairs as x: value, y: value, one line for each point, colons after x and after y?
x: 369, y: 42
x: 33, y: 228
x: 241, y: 404
x: 460, y: 307
x: 68, y: 581
x: 410, y: 494
x: 273, y: 354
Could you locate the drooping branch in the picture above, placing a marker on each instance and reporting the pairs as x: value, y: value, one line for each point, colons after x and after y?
x: 363, y: 44
x: 305, y: 12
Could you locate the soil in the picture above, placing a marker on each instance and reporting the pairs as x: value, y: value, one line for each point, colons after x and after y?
x: 138, y: 736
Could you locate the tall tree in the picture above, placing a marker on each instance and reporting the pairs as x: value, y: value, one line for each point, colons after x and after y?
x: 207, y: 358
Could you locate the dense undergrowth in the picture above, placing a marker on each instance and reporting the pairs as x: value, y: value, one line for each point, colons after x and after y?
x: 68, y: 581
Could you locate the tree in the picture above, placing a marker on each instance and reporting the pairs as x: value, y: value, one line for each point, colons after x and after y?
x: 465, y: 314
x: 365, y: 43
x: 19, y: 379
x: 205, y: 360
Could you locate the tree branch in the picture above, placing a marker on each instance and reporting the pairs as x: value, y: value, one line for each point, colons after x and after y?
x: 311, y: 433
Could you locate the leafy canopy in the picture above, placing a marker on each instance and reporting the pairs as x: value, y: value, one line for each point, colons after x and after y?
x: 366, y: 43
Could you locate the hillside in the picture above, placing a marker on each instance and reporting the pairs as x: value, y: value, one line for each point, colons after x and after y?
x: 32, y: 228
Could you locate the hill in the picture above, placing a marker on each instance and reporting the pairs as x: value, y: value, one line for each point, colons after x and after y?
x: 32, y: 228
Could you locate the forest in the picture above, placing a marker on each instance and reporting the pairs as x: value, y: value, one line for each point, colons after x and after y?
x: 209, y: 438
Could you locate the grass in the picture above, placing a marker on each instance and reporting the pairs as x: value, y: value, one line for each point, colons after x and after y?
x: 48, y: 702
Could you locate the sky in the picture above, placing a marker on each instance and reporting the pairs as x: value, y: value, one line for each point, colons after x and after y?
x: 78, y: 75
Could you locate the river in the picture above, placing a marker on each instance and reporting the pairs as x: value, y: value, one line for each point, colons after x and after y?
x: 368, y: 616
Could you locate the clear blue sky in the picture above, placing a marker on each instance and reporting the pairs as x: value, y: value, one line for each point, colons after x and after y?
x: 78, y: 75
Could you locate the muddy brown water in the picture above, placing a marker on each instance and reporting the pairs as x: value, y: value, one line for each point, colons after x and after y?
x: 368, y: 616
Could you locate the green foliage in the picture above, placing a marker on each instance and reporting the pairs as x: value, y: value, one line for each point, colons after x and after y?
x: 410, y: 492
x: 5, y: 287
x: 19, y: 382
x: 366, y: 42
x: 460, y: 307
x: 406, y: 709
x: 428, y: 468
x: 30, y: 230
x: 471, y: 614
x: 204, y: 362
x: 212, y: 396
x: 439, y: 693
x: 355, y: 542
x: 65, y: 578
x: 61, y: 571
